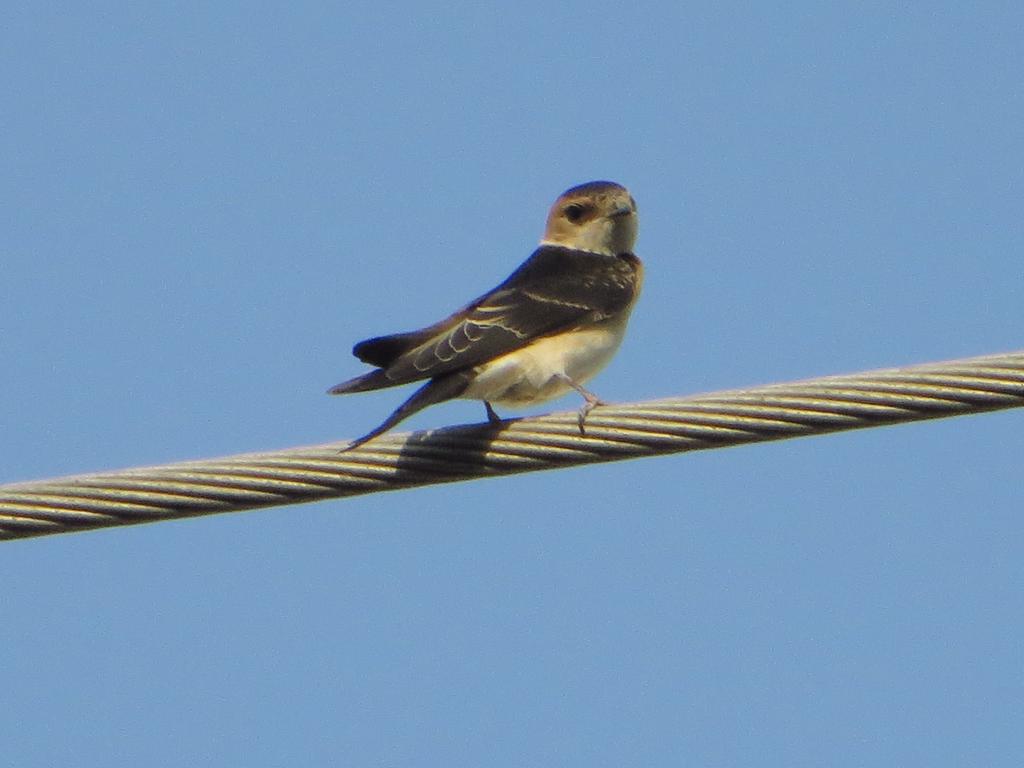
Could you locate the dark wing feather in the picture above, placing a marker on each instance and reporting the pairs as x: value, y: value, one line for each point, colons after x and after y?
x: 555, y: 289
x: 384, y: 350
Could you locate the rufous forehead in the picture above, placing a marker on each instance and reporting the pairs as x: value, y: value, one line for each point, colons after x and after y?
x: 595, y: 188
x: 595, y: 193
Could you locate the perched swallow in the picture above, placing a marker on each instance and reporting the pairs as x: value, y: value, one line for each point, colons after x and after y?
x: 554, y: 323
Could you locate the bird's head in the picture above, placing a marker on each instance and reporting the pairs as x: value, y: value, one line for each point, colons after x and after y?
x: 599, y: 216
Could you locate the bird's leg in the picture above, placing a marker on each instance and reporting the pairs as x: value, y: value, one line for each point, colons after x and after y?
x: 591, y: 400
x: 491, y: 415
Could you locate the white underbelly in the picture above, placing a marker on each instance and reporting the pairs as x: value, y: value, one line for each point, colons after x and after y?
x: 530, y: 375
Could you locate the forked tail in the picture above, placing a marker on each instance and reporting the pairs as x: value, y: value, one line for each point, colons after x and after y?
x: 437, y: 390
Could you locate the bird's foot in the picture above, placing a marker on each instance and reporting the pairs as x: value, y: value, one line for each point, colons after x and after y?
x: 591, y: 401
x: 492, y: 417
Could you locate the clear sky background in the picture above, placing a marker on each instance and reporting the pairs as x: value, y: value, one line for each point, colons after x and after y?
x: 205, y: 205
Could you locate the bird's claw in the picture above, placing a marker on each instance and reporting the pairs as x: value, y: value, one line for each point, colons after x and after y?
x: 590, y: 404
x: 492, y: 417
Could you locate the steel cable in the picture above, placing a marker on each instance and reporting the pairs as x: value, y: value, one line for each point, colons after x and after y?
x: 613, y: 432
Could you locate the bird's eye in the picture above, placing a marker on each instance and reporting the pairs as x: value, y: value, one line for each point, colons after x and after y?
x: 574, y: 212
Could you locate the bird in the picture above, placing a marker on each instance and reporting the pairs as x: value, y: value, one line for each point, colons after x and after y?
x: 547, y: 329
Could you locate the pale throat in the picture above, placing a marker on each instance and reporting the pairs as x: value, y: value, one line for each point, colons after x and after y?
x: 609, y: 238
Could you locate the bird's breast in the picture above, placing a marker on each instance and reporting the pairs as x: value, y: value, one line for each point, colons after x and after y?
x: 529, y: 375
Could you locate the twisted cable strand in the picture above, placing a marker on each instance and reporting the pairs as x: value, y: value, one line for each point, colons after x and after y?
x: 396, y: 461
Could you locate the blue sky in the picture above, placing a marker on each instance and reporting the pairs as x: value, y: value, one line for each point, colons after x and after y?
x: 206, y: 205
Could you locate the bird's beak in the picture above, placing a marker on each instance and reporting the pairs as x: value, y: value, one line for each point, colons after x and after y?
x: 621, y: 210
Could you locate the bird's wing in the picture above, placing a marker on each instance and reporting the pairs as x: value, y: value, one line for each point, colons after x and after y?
x: 555, y: 289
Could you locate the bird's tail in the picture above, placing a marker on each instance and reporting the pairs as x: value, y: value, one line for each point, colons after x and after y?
x: 436, y: 390
x: 372, y: 380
